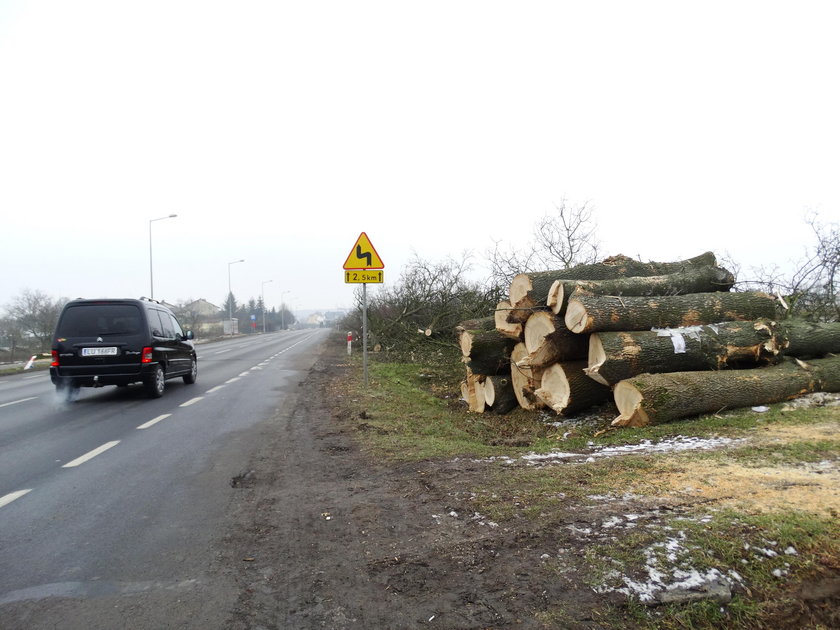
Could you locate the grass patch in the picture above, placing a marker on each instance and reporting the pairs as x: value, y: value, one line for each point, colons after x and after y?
x: 412, y: 412
x: 533, y: 493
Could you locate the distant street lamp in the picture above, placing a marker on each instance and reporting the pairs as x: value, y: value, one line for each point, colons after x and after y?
x: 151, y: 272
x: 230, y: 295
x: 265, y: 282
x: 283, y: 310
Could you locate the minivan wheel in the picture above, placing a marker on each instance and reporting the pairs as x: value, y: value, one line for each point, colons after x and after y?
x: 155, y: 383
x: 189, y: 379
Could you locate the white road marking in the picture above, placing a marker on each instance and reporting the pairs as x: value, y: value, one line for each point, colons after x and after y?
x: 244, y: 374
x: 191, y: 401
x: 232, y: 380
x: 29, y: 378
x: 215, y: 389
x: 223, y: 351
x: 13, y: 496
x: 15, y: 402
x: 88, y: 456
x: 154, y: 421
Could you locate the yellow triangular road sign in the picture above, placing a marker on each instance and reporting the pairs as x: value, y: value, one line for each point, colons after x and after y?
x: 363, y: 255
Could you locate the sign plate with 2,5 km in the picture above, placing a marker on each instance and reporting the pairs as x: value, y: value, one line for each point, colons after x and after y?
x: 374, y: 276
x: 363, y: 255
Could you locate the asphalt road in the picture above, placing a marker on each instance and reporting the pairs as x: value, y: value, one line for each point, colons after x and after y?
x: 117, y: 495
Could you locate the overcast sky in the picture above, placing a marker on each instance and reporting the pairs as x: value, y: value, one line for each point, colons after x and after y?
x: 278, y: 131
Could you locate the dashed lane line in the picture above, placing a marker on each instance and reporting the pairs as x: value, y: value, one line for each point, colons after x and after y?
x: 17, y: 402
x: 88, y: 456
x: 154, y: 421
x: 13, y: 496
x: 215, y: 389
x: 192, y: 401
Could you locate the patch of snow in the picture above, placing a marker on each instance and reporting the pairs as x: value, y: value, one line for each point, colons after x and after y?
x: 660, y: 578
x: 670, y: 445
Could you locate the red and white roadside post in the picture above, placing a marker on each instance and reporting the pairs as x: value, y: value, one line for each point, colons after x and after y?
x: 349, y: 343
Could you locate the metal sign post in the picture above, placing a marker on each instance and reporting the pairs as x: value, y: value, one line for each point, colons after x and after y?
x: 364, y: 333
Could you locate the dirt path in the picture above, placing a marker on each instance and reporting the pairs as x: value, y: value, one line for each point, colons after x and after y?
x: 328, y: 539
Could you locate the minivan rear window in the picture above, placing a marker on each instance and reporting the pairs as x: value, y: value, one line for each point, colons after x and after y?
x: 99, y: 320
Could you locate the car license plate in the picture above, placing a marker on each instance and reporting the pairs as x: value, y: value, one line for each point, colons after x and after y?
x: 99, y: 352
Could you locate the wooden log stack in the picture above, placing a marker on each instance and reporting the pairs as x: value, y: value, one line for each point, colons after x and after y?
x: 664, y: 340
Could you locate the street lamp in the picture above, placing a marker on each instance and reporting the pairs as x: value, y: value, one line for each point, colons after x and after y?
x: 283, y: 310
x: 230, y: 295
x: 265, y: 282
x: 151, y: 273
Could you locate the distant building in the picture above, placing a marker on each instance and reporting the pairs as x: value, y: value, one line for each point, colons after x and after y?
x: 331, y: 318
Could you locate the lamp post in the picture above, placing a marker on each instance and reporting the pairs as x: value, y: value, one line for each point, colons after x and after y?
x: 151, y: 272
x: 283, y: 310
x: 230, y: 295
x: 265, y: 282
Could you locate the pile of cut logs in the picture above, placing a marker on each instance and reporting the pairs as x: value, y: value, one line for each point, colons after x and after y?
x: 663, y: 340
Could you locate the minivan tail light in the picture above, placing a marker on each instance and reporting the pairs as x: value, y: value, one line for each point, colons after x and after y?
x: 54, y: 359
x: 146, y: 356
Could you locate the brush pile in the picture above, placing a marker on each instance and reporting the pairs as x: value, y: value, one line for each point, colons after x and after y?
x: 663, y: 340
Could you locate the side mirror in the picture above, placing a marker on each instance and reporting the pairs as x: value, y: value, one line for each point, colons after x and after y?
x: 189, y: 335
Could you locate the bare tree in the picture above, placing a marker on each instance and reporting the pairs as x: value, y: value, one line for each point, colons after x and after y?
x: 811, y: 289
x: 37, y: 315
x: 424, y: 306
x: 562, y: 239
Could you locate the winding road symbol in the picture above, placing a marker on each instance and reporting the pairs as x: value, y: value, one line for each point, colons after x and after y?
x: 363, y: 256
x: 366, y: 255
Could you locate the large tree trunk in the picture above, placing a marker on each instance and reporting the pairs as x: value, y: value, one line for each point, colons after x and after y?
x: 485, y: 349
x: 697, y: 279
x: 525, y: 379
x: 548, y: 340
x: 615, y: 356
x: 567, y: 390
x: 529, y: 291
x: 499, y: 395
x: 811, y: 339
x: 512, y: 330
x: 589, y: 313
x: 657, y: 398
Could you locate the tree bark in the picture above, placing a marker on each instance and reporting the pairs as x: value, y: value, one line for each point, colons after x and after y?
x: 512, y: 330
x: 615, y: 356
x: 588, y: 313
x: 656, y: 398
x: 567, y: 390
x: 695, y: 279
x: 530, y: 290
x: 548, y: 340
x: 811, y: 339
x: 525, y: 379
x: 498, y: 394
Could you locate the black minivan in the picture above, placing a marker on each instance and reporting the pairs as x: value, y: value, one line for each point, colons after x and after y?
x: 118, y: 342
